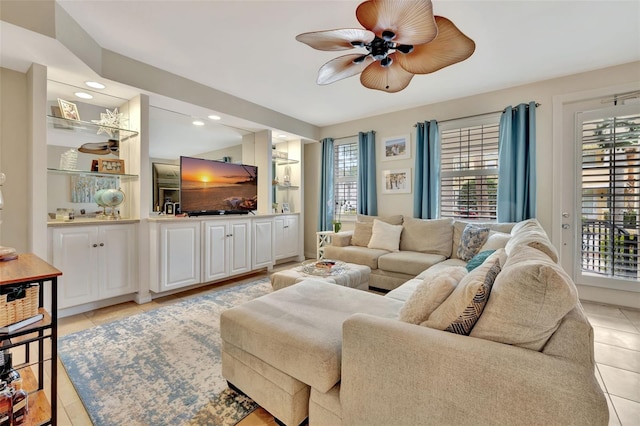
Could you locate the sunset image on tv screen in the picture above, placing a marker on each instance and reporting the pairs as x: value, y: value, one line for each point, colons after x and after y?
x: 207, y: 185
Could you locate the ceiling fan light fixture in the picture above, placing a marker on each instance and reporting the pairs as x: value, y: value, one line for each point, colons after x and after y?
x: 424, y: 43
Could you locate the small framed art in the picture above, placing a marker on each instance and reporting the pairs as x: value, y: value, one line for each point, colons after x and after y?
x: 110, y: 165
x: 396, y: 181
x: 396, y: 148
x: 285, y: 208
x: 69, y: 110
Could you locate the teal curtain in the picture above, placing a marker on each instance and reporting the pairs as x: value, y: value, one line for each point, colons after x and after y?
x: 517, y: 163
x: 427, y: 171
x: 367, y: 189
x: 325, y: 213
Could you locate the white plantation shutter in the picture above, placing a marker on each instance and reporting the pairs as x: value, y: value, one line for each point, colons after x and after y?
x: 345, y: 163
x: 469, y: 172
x: 610, y: 194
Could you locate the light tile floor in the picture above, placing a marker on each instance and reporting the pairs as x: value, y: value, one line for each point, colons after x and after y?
x: 617, y: 354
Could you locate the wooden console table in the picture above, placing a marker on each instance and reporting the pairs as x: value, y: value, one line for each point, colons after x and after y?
x: 30, y: 269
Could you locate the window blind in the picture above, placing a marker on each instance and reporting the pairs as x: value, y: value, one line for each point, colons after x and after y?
x: 345, y: 178
x: 610, y: 195
x: 469, y: 172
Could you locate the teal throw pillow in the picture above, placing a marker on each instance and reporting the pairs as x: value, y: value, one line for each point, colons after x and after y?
x: 478, y: 259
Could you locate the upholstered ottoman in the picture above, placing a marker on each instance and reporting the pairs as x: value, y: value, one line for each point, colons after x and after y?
x: 352, y: 275
x: 276, y: 347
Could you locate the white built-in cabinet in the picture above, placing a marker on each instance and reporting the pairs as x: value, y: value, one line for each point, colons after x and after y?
x: 227, y: 248
x: 286, y: 236
x: 98, y: 262
x: 190, y: 251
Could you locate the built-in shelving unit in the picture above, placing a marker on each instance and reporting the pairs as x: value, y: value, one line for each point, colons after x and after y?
x: 88, y: 173
x: 117, y: 133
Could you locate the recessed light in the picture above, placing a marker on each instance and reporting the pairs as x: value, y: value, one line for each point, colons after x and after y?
x: 95, y: 84
x: 214, y: 117
x: 282, y: 136
x: 198, y: 123
x: 83, y: 95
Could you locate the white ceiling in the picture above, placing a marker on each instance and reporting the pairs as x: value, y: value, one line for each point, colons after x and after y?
x: 248, y: 48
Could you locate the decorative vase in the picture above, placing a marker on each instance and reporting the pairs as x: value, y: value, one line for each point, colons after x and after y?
x: 337, y: 226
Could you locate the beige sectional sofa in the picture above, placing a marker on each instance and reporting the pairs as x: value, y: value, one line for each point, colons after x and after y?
x: 422, y: 244
x: 506, y: 343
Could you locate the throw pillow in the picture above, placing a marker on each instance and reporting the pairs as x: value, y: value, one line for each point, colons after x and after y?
x: 462, y: 296
x: 472, y: 239
x: 362, y: 234
x: 495, y: 241
x: 427, y: 236
x: 478, y: 259
x: 385, y: 236
x: 468, y: 318
x: 529, y: 300
x: 430, y: 293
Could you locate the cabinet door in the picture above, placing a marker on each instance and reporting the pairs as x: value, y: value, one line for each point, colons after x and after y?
x: 291, y: 228
x: 179, y: 255
x: 75, y: 253
x: 117, y: 261
x: 239, y: 247
x: 263, y: 243
x: 280, y: 239
x: 215, y: 250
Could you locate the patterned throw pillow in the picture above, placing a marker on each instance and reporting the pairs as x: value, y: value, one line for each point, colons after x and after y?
x: 465, y: 322
x: 471, y: 240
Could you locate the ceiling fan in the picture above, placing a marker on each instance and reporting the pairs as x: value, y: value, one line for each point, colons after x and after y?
x: 402, y: 38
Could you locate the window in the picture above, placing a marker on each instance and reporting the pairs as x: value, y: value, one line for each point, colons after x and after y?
x: 345, y: 177
x: 469, y: 170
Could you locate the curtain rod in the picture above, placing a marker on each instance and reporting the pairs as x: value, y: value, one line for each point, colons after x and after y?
x: 351, y: 136
x: 474, y: 115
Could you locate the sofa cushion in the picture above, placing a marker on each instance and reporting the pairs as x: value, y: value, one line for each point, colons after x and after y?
x: 385, y: 236
x: 529, y: 299
x: 442, y: 265
x: 408, y: 262
x: 427, y: 235
x: 496, y: 241
x: 298, y: 329
x: 451, y: 309
x: 391, y: 220
x: 472, y: 238
x: 530, y: 232
x: 468, y: 318
x: 430, y: 293
x: 404, y: 291
x: 459, y: 225
x: 354, y: 254
x: 362, y: 234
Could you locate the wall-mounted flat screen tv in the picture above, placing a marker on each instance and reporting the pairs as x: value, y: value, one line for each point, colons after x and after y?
x: 217, y: 187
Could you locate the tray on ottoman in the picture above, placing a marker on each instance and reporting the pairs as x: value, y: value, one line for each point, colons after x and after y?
x: 331, y: 271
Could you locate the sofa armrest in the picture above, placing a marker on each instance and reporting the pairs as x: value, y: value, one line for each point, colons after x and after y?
x: 341, y: 239
x: 404, y: 374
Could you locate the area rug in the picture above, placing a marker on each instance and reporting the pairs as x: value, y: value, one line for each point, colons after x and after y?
x: 161, y: 367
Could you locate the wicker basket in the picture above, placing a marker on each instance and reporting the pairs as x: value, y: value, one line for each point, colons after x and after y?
x: 19, y: 309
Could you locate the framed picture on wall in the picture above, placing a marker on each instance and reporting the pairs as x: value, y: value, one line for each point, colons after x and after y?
x: 396, y: 148
x: 396, y: 181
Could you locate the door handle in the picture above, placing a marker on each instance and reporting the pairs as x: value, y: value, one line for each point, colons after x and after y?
x: 566, y: 226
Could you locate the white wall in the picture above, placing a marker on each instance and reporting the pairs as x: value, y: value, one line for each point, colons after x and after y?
x: 403, y: 122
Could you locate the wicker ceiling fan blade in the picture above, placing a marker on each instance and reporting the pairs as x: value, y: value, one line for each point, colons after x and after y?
x: 449, y: 47
x: 411, y: 21
x: 342, y: 39
x: 342, y: 67
x: 389, y: 79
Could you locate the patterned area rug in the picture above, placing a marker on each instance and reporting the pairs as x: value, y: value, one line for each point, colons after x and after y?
x: 161, y: 367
